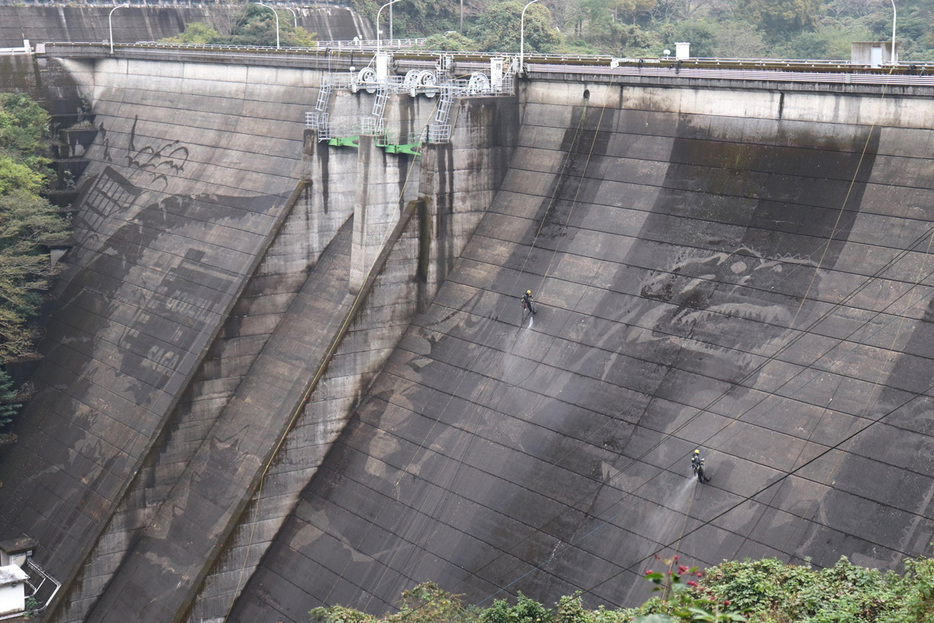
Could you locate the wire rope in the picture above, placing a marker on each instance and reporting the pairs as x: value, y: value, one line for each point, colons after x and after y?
x: 800, y: 306
x: 480, y: 352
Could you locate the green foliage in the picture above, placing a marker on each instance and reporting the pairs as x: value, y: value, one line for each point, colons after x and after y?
x: 643, y: 28
x: 498, y: 28
x: 427, y: 603
x: 24, y: 125
x: 8, y: 405
x: 28, y: 225
x: 16, y: 176
x: 845, y: 593
x: 257, y: 26
x: 684, y: 600
x: 196, y: 32
x: 762, y: 591
x: 832, y: 42
x: 780, y: 17
x: 450, y: 42
x: 917, y: 592
x: 524, y: 611
x: 32, y: 607
x: 702, y: 35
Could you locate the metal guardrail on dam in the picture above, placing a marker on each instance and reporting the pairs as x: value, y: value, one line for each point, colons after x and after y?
x: 341, y: 58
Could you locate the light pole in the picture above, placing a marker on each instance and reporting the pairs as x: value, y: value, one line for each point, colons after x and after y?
x: 894, y: 15
x: 522, y: 36
x: 390, y: 3
x: 294, y: 17
x: 277, y: 20
x: 110, y: 23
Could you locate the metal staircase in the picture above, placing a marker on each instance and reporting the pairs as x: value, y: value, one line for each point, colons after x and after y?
x: 417, y: 82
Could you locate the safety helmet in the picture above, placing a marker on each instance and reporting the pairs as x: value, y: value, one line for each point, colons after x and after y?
x: 697, y: 452
x: 528, y: 292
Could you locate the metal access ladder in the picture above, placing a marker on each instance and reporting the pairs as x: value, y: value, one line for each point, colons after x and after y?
x: 382, y: 96
x: 440, y: 130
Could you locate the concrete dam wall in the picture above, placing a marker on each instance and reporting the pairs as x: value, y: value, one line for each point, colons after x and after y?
x: 741, y: 271
x: 74, y: 23
x: 282, y: 374
x: 220, y: 251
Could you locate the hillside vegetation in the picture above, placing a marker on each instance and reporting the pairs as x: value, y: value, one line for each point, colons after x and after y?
x: 29, y: 225
x: 763, y: 591
x: 816, y: 29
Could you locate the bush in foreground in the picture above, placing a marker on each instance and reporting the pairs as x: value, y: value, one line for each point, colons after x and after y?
x: 761, y: 591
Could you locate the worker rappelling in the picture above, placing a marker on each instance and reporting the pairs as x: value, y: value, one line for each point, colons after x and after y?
x: 527, y: 302
x: 697, y: 464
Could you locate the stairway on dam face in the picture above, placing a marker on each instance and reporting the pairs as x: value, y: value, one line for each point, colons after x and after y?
x: 197, y: 226
x: 745, y: 272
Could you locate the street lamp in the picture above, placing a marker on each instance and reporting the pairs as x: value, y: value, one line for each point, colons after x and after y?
x: 377, y: 23
x: 110, y: 23
x: 894, y: 15
x: 277, y: 20
x: 294, y: 16
x: 522, y: 36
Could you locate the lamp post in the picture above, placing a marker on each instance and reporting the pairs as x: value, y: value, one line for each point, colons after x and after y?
x: 110, y: 23
x: 294, y: 17
x: 392, y: 2
x: 522, y: 36
x: 277, y: 20
x: 894, y: 15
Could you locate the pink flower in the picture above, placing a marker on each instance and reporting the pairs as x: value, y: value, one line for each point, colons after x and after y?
x: 649, y: 572
x: 682, y: 568
x: 676, y: 557
x: 692, y: 583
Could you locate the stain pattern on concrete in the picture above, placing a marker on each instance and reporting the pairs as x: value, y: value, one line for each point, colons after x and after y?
x: 704, y: 281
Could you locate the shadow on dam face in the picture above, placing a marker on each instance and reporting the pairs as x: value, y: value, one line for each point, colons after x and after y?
x: 695, y: 286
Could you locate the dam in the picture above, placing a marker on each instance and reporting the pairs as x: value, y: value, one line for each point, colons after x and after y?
x: 285, y: 372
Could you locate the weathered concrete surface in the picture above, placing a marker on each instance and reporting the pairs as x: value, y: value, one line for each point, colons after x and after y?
x: 742, y: 271
x: 151, y: 23
x: 184, y: 196
x: 163, y: 572
x: 181, y: 527
x: 430, y: 235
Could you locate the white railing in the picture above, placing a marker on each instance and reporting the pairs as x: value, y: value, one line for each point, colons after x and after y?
x: 439, y: 133
x: 371, y: 44
x: 42, y: 600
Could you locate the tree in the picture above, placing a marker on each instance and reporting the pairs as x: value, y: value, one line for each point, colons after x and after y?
x: 498, y: 29
x: 702, y: 36
x: 450, y: 42
x: 8, y: 405
x: 196, y: 32
x: 24, y: 125
x: 780, y: 18
x: 28, y: 225
x: 257, y: 26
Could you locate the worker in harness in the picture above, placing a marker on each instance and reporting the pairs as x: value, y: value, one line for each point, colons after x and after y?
x: 697, y: 464
x: 527, y: 302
